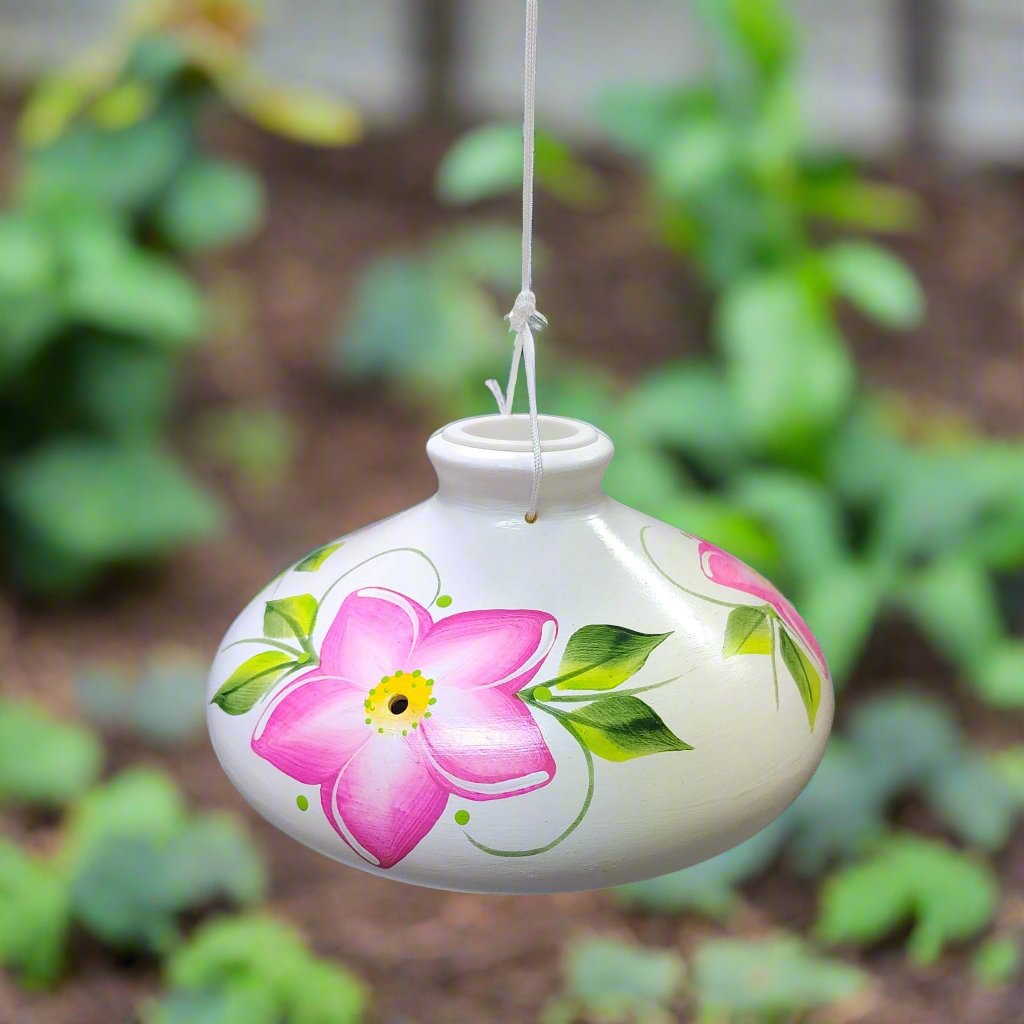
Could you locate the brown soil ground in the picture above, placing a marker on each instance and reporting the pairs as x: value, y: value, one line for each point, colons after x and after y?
x: 436, y: 958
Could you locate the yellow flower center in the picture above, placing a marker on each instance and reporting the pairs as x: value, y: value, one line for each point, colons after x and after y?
x: 398, y: 703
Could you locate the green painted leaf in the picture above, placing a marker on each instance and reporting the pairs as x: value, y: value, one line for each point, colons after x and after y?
x: 251, y: 680
x: 316, y: 558
x: 602, y: 657
x: 748, y: 631
x: 998, y: 961
x: 291, y: 617
x: 877, y: 282
x: 622, y: 728
x: 949, y: 895
x: 804, y: 674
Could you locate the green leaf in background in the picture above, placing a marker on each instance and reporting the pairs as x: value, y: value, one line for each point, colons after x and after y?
x: 123, y: 388
x: 137, y: 802
x: 124, y: 170
x: 258, y: 954
x: 769, y: 979
x: 998, y: 675
x: 975, y: 800
x: 488, y: 162
x: 44, y: 762
x: 212, y: 858
x: 708, y: 888
x: 622, y: 728
x: 27, y: 260
x: 295, y: 113
x: 748, y: 631
x: 759, y: 34
x: 34, y: 917
x: 210, y: 203
x: 130, y: 503
x: 120, y: 893
x: 876, y: 282
x: 948, y: 896
x: 251, y: 681
x: 316, y: 558
x: 601, y: 657
x: 997, y: 962
x: 140, y: 295
x: 904, y: 739
x: 617, y: 981
x: 689, y: 406
x: 288, y: 617
x: 694, y: 158
x: 257, y: 444
x: 229, y: 1006
x: 804, y: 672
x: 789, y: 371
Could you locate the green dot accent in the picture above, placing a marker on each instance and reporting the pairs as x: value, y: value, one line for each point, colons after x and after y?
x: 399, y: 672
x: 433, y: 700
x: 426, y: 714
x: 444, y: 601
x: 542, y: 693
x: 369, y: 721
x: 417, y: 673
x: 415, y: 725
x: 462, y: 817
x: 302, y: 803
x: 381, y: 731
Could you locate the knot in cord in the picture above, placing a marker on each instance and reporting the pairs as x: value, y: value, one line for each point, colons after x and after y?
x: 524, y: 314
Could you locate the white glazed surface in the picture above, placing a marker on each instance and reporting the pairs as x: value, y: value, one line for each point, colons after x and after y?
x: 583, y: 562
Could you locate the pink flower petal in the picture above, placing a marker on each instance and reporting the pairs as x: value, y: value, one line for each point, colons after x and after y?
x: 384, y: 800
x: 484, y: 744
x: 372, y: 636
x: 312, y: 727
x: 486, y: 648
x: 728, y: 571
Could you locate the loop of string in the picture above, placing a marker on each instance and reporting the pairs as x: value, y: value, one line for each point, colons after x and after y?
x: 524, y: 319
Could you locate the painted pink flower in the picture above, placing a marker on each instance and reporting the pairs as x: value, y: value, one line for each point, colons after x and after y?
x: 728, y: 571
x: 404, y: 712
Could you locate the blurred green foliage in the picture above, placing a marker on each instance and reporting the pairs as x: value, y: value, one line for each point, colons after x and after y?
x: 757, y: 981
x: 127, y: 867
x: 164, y: 704
x: 946, y: 894
x: 254, y: 970
x: 116, y: 186
x: 129, y: 862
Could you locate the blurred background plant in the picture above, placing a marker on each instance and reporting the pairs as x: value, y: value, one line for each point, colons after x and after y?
x: 117, y: 187
x: 889, y: 892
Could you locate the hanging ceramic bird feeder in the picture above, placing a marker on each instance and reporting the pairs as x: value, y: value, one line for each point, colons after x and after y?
x: 520, y: 685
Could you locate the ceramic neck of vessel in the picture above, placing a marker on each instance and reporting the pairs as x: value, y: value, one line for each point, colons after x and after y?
x: 486, y: 463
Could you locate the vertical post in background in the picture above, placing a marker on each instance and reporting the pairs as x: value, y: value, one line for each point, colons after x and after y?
x: 438, y: 50
x: 922, y: 37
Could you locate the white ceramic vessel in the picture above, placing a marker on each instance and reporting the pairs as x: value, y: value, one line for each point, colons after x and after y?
x: 456, y: 698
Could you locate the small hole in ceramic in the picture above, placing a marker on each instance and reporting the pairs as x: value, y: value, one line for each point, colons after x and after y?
x: 398, y: 704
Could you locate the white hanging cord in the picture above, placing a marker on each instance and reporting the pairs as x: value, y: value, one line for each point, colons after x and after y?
x: 524, y: 319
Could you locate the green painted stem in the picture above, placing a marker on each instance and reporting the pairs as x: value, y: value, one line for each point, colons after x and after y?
x: 264, y: 642
x: 581, y: 698
x: 578, y: 820
x: 393, y: 551
x: 679, y: 586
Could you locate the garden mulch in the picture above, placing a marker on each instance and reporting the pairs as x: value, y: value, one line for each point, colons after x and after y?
x: 614, y: 296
